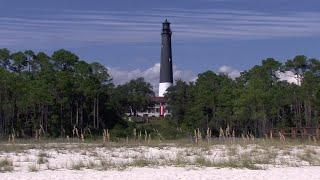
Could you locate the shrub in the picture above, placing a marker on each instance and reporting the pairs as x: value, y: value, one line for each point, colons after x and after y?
x: 6, y: 165
x: 33, y: 168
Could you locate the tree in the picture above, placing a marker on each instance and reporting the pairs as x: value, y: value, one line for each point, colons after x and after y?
x: 58, y: 92
x: 178, y: 97
x: 64, y: 60
x: 135, y: 95
x: 4, y: 58
x: 19, y: 61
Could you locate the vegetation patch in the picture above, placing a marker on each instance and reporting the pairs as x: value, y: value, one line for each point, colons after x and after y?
x: 33, y: 168
x: 6, y: 165
x: 42, y: 160
x: 202, y: 161
x: 78, y: 165
x: 309, y: 155
x: 143, y: 162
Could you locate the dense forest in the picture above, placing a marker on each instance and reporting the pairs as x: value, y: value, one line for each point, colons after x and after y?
x: 255, y: 102
x: 54, y: 94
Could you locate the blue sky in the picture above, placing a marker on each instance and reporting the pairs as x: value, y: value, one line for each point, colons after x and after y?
x: 230, y: 35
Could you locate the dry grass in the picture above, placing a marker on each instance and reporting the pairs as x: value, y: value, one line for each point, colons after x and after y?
x: 42, y: 160
x: 250, y: 154
x: 311, y: 156
x: 78, y: 165
x: 33, y: 168
x: 143, y: 162
x: 179, y: 161
x: 43, y: 154
x: 6, y: 165
x: 238, y: 163
x: 50, y: 167
x: 203, y: 162
x: 21, y: 144
x: 232, y: 150
x: 105, y: 164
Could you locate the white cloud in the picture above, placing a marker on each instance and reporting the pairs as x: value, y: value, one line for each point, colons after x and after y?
x: 151, y: 75
x: 288, y: 76
x: 229, y: 71
x: 233, y: 73
x: 185, y: 75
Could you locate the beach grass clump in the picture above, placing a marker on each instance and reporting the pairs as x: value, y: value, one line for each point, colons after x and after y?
x: 237, y: 164
x: 50, y: 167
x: 105, y: 164
x: 78, y: 165
x: 143, y: 162
x: 232, y: 150
x: 203, y: 162
x: 6, y: 165
x: 92, y: 165
x: 310, y: 155
x: 43, y: 154
x: 179, y: 161
x: 42, y: 160
x: 33, y: 168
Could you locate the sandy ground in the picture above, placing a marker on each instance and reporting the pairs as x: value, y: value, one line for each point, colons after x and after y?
x: 292, y: 173
x: 77, y: 161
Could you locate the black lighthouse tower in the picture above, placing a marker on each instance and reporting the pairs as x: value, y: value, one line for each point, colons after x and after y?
x: 166, y: 74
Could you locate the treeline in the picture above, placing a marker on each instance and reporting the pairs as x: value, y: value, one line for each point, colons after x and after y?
x: 255, y: 102
x: 54, y: 94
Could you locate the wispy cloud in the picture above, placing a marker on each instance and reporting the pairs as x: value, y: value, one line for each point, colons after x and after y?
x: 144, y: 26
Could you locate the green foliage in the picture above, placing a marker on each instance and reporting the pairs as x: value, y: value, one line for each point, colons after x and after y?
x: 43, y: 96
x: 255, y: 102
x: 162, y: 128
x: 158, y: 128
x: 133, y: 96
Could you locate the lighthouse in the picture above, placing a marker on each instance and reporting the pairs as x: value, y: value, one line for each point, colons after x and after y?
x: 160, y: 107
x: 166, y: 75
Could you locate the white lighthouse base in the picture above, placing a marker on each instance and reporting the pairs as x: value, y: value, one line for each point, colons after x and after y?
x: 163, y: 88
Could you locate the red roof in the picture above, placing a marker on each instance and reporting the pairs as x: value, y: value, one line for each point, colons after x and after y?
x: 158, y: 99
